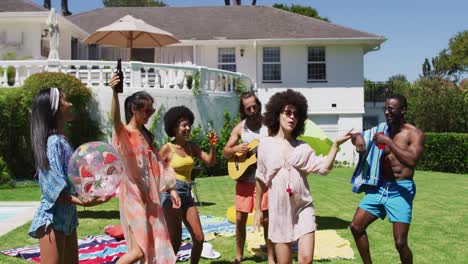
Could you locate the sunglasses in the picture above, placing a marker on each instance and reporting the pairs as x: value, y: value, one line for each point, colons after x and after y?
x: 149, y: 111
x: 390, y: 109
x: 289, y: 113
x: 253, y: 108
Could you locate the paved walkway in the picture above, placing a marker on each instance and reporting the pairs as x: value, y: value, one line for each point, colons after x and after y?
x: 15, y: 214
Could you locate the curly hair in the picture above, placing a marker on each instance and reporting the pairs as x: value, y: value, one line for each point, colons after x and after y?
x: 173, y: 116
x: 244, y: 96
x: 277, y: 104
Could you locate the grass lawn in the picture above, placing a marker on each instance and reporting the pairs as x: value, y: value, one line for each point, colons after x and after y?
x: 439, y: 233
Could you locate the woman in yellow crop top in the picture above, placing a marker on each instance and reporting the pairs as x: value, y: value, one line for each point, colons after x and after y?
x: 180, y: 154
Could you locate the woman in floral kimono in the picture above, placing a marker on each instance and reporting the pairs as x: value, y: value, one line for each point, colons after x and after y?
x: 146, y: 176
x: 282, y: 166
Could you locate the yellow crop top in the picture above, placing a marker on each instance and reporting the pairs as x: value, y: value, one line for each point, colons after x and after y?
x: 182, y: 165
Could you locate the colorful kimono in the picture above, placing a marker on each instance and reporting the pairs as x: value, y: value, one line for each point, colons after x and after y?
x: 146, y: 176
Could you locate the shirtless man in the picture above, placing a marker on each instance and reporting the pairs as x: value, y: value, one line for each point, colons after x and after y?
x: 249, y: 128
x: 395, y: 193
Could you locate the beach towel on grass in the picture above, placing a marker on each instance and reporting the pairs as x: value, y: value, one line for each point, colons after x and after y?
x: 368, y: 168
x: 101, y: 249
x: 106, y: 249
x: 328, y: 245
x: 213, y: 226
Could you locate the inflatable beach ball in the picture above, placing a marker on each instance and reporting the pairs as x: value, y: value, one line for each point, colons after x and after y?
x: 95, y: 169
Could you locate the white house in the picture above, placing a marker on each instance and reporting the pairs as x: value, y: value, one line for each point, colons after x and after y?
x: 23, y: 30
x: 274, y: 48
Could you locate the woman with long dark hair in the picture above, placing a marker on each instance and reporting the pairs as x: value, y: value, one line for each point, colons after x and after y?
x: 56, y: 219
x: 282, y: 167
x: 146, y: 177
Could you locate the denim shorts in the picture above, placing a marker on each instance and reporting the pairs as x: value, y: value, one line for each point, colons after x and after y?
x: 394, y: 199
x: 184, y: 189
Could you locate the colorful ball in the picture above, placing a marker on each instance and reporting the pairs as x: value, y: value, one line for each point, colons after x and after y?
x: 95, y: 169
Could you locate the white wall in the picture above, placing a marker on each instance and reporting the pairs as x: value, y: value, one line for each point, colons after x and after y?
x: 31, y: 44
x: 31, y: 41
x: 205, y: 107
x: 337, y: 105
x: 207, y: 55
x: 344, y: 66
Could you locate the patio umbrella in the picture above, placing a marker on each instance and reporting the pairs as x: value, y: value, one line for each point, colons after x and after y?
x: 318, y: 140
x: 130, y: 32
x: 54, y: 35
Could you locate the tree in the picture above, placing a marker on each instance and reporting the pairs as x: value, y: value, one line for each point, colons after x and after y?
x: 301, y: 10
x: 437, y: 105
x: 452, y: 62
x: 117, y: 3
x: 399, y: 84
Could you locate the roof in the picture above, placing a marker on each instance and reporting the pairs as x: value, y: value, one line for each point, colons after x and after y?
x: 230, y: 22
x: 19, y: 6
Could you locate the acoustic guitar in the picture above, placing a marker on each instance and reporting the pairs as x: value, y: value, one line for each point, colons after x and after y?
x: 240, y: 162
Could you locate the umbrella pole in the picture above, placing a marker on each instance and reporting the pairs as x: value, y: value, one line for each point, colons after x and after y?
x: 131, y: 46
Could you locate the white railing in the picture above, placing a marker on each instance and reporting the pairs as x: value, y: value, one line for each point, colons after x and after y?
x: 138, y: 75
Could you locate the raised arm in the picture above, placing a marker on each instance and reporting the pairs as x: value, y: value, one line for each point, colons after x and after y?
x: 115, y: 110
x: 208, y: 158
x: 334, y: 149
x: 231, y: 145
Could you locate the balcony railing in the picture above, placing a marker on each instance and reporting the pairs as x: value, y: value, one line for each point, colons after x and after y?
x: 138, y: 75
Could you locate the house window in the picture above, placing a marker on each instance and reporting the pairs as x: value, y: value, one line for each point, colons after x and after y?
x: 74, y: 48
x: 143, y: 54
x: 271, y: 65
x: 316, y: 65
x: 93, y: 52
x: 227, y: 59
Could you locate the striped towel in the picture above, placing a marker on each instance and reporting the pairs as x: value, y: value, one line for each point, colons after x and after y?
x: 91, y: 250
x: 368, y: 168
x: 101, y: 249
x: 213, y: 226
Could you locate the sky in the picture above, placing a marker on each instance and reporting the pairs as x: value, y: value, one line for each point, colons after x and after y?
x: 414, y: 29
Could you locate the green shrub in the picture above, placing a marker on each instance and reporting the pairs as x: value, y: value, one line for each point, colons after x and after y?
x: 239, y: 87
x: 11, y: 71
x: 83, y: 128
x: 445, y: 152
x: 15, y: 147
x: 15, y: 104
x: 5, y: 175
x: 437, y: 105
x: 198, y: 136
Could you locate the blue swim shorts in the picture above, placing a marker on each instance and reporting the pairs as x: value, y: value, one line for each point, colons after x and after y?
x: 184, y: 189
x: 394, y: 199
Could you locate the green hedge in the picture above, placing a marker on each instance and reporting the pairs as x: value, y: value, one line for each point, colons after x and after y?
x: 15, y: 104
x: 446, y: 152
x: 83, y: 128
x: 15, y: 147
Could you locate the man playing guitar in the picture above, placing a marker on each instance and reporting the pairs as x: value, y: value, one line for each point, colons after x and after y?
x: 247, y: 130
